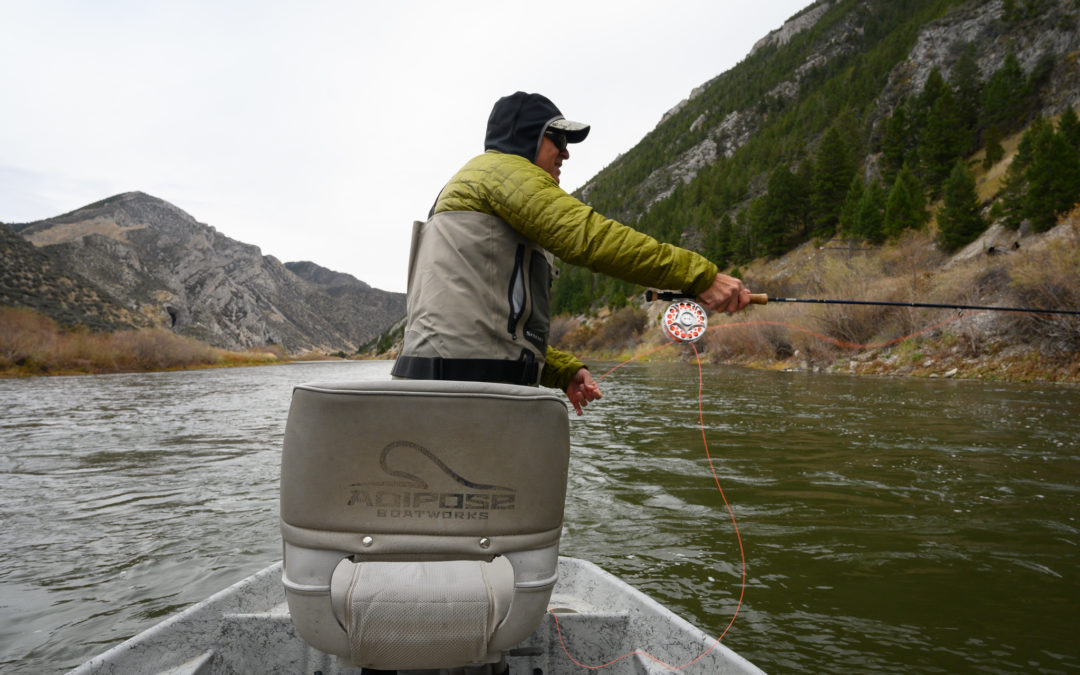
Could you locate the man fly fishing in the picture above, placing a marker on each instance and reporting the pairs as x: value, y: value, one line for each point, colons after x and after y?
x: 481, y: 266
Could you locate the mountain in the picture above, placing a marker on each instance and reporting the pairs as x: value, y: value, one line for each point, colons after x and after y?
x: 148, y: 263
x: 835, y: 103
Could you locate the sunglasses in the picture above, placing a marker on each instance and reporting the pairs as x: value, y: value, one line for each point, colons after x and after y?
x: 558, y: 138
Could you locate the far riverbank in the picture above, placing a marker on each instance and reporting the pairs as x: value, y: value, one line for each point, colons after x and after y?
x: 32, y: 344
x: 935, y: 356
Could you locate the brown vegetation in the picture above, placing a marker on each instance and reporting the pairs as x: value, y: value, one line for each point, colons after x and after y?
x: 1043, y: 272
x: 611, y: 335
x: 33, y: 344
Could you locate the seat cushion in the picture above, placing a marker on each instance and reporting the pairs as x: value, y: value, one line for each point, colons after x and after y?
x: 421, y: 614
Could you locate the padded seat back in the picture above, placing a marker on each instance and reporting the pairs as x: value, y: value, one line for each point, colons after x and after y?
x: 421, y: 519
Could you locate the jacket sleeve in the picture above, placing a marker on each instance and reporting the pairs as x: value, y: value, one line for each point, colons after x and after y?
x: 530, y: 200
x: 559, y: 369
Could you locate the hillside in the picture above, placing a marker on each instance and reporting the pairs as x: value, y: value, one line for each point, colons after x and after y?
x: 147, y: 263
x: 810, y: 134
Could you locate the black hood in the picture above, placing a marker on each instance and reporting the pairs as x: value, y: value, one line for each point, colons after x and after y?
x: 517, y: 123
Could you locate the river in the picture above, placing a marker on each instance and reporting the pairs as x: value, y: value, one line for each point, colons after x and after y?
x: 889, y: 525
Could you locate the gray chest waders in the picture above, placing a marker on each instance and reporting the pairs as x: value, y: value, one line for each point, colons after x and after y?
x: 478, y: 302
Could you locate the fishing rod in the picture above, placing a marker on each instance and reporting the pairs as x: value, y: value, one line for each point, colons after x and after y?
x: 764, y: 299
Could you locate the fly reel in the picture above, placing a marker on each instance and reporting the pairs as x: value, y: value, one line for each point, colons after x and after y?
x: 684, y: 321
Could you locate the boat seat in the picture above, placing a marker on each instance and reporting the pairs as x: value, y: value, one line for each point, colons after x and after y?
x: 421, y: 519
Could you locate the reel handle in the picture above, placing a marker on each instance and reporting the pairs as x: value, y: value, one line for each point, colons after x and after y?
x: 650, y: 295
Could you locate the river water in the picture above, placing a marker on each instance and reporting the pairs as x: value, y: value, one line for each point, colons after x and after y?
x: 889, y: 525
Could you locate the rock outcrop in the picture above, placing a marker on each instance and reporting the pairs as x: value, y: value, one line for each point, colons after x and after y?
x: 1047, y: 38
x: 168, y: 270
x: 793, y: 26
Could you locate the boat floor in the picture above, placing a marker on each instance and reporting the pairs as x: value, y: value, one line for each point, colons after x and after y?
x: 246, y: 628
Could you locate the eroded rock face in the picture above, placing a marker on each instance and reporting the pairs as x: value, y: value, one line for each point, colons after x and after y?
x: 792, y: 27
x: 159, y: 262
x: 1051, y: 34
x: 722, y: 141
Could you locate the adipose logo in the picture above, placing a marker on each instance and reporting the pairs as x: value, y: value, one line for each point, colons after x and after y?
x: 408, y: 495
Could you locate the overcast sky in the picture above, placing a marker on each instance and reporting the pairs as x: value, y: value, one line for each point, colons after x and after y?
x: 320, y: 130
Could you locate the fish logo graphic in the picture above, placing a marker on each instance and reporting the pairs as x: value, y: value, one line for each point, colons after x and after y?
x: 405, y: 494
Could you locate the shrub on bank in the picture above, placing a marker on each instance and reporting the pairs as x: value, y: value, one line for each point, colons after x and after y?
x: 621, y: 331
x: 156, y: 349
x: 33, y: 344
x: 1049, y: 278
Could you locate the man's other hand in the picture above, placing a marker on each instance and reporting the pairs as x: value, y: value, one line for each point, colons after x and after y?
x: 581, y: 390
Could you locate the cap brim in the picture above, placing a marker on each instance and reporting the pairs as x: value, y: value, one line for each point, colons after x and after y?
x: 575, y: 131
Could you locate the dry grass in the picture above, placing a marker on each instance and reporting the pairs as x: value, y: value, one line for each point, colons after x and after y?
x: 32, y: 344
x: 1048, y: 276
x: 988, y: 181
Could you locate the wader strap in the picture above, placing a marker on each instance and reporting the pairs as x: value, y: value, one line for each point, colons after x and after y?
x: 470, y: 370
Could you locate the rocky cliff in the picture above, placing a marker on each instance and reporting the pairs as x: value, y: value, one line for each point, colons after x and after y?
x: 1044, y: 37
x: 161, y: 267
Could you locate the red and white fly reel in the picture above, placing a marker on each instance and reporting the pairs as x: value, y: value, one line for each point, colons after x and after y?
x: 684, y: 321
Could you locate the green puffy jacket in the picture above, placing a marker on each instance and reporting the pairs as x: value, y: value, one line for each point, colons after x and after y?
x: 529, y: 200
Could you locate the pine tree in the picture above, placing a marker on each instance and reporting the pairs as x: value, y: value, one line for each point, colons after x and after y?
x: 717, y: 242
x: 934, y: 88
x: 804, y: 178
x: 1012, y: 198
x: 1053, y: 179
x: 783, y: 210
x: 572, y: 292
x: 898, y: 144
x: 966, y: 83
x: 905, y: 209
x: 742, y: 238
x: 870, y: 213
x: 959, y: 219
x: 757, y: 222
x: 1005, y: 95
x: 849, y: 222
x: 944, y: 137
x: 833, y: 169
x: 1069, y: 128
x: 921, y: 103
